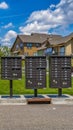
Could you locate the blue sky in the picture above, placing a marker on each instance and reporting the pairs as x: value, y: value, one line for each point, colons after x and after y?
x: 29, y: 16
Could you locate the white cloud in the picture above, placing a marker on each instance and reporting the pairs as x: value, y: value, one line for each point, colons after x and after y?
x: 10, y: 34
x: 8, y: 25
x: 44, y: 20
x: 3, y: 5
x: 33, y: 27
x: 52, y: 6
x: 8, y: 38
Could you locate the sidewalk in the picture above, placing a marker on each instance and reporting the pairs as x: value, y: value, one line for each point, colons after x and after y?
x: 22, y: 99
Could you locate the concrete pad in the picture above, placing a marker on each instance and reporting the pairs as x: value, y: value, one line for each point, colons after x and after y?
x: 12, y: 100
x: 65, y: 99
x: 16, y: 100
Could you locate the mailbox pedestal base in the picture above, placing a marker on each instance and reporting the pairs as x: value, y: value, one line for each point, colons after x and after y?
x: 11, y: 88
x: 59, y: 92
x: 35, y: 92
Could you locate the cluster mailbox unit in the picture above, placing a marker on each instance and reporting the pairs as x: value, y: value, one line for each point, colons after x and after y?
x: 60, y: 71
x: 11, y: 69
x: 35, y: 72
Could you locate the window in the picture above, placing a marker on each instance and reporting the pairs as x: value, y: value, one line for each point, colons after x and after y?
x: 62, y: 50
x: 37, y: 45
x: 29, y: 45
x: 17, y: 47
x: 21, y: 45
x: 48, y: 51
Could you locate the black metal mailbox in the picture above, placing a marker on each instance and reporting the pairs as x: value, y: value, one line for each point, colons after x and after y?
x: 11, y: 68
x: 35, y: 72
x: 60, y: 71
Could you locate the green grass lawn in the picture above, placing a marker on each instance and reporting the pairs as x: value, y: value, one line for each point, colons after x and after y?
x: 19, y: 88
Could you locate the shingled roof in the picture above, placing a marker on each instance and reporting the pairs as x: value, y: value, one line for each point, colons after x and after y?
x: 36, y: 37
x: 51, y: 41
x: 41, y: 38
x: 61, y: 40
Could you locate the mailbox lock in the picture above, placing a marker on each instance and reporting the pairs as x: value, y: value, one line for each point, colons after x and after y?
x: 29, y: 82
x: 39, y: 83
x: 64, y: 83
x: 14, y: 74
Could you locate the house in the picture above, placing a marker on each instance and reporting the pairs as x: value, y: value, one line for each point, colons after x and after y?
x: 57, y: 45
x: 27, y: 45
x: 42, y: 44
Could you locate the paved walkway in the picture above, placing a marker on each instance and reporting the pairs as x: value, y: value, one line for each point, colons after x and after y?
x: 36, y: 117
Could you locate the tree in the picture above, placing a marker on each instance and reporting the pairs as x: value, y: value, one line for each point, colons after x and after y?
x: 4, y: 51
